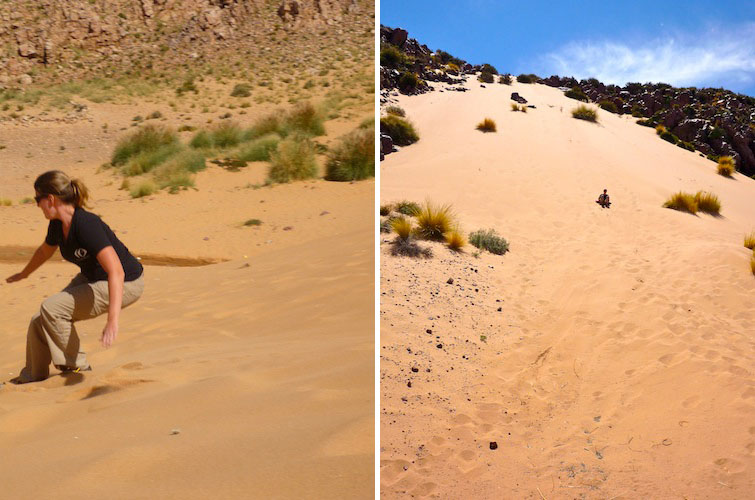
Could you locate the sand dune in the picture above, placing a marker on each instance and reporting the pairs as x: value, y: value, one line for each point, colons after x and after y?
x: 619, y: 364
x: 249, y: 378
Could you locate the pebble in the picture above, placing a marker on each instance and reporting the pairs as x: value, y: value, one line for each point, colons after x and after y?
x: 450, y: 281
x: 173, y: 432
x: 493, y: 445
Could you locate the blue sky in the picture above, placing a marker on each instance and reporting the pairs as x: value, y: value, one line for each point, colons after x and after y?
x: 692, y: 43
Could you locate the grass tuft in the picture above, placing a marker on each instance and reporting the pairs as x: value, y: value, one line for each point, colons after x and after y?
x: 455, y: 240
x: 433, y: 222
x: 402, y: 227
x: 253, y: 222
x: 259, y: 149
x: 683, y: 202
x: 354, y: 157
x: 489, y: 240
x: 177, y: 173
x: 401, y: 131
x: 241, y: 90
x: 395, y: 110
x: 145, y: 188
x: 726, y: 166
x: 294, y: 159
x: 708, y: 203
x: 583, y: 112
x: 386, y: 209
x: 750, y: 240
x: 486, y: 125
x: 408, y: 208
x: 145, y: 139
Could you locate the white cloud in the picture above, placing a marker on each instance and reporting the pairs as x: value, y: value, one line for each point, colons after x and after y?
x: 711, y: 58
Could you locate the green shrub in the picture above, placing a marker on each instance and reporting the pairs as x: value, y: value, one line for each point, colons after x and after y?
x: 187, y: 128
x: 385, y: 209
x: 147, y: 160
x: 707, y: 203
x: 433, y: 222
x: 177, y: 173
x: 408, y: 82
x: 269, y: 124
x: 187, y: 86
x: 145, y: 139
x: 304, y: 118
x: 716, y: 133
x: 486, y: 125
x: 668, y: 136
x: 489, y: 240
x: 486, y: 77
x: 241, y: 90
x: 145, y: 188
x: 505, y: 79
x: 646, y: 122
x: 259, y: 149
x: 395, y: 110
x: 609, y: 106
x: 294, y: 159
x: 686, y: 145
x: 576, y: 93
x: 391, y: 56
x: 253, y: 222
x: 528, y: 78
x: 489, y: 68
x: 583, y: 112
x: 223, y: 136
x: 353, y: 158
x: 401, y: 131
x: 408, y: 208
x: 726, y: 166
x: 683, y: 202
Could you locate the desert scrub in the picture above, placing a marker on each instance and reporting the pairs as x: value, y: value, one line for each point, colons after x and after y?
x: 253, y: 222
x: 576, y: 93
x: 408, y: 208
x: 401, y: 131
x: 391, y: 56
x: 353, y: 158
x: 527, y: 78
x: 177, y: 173
x: 395, y: 110
x: 144, y: 188
x: 222, y: 136
x: 707, y: 203
x: 259, y: 149
x: 684, y: 202
x: 486, y: 125
x: 646, y: 122
x: 505, y: 79
x: 386, y: 209
x: 455, y: 240
x: 402, y: 227
x: 609, y: 106
x: 434, y: 221
x: 306, y: 119
x: 293, y: 159
x: 269, y: 124
x: 408, y: 82
x: 666, y: 135
x: 726, y: 166
x: 750, y: 240
x: 486, y: 77
x: 583, y: 112
x: 146, y: 139
x: 241, y: 90
x: 6, y: 202
x: 489, y: 240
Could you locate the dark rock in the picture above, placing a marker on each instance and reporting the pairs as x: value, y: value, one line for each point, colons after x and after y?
x: 493, y: 445
x: 450, y: 281
x: 439, y: 346
x: 516, y: 97
x: 398, y: 37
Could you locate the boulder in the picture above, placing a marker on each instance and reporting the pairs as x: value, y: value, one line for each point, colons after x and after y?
x: 386, y: 144
x: 516, y: 97
x: 398, y: 37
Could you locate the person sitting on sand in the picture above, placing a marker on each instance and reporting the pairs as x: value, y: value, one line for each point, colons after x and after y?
x: 110, y: 278
x: 603, y: 200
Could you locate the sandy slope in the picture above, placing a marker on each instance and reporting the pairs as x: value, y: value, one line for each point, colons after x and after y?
x: 620, y: 363
x: 263, y: 362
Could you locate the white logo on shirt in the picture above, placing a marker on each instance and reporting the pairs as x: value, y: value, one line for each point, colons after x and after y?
x: 80, y: 253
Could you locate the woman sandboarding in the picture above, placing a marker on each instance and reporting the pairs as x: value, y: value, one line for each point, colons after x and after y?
x: 110, y: 279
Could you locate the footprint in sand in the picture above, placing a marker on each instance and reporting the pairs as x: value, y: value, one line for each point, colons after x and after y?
x: 666, y: 359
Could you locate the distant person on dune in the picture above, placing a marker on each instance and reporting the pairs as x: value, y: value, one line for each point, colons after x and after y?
x: 604, y: 200
x: 110, y: 278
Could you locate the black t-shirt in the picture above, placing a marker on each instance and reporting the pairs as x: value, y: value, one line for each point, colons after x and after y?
x: 87, y: 236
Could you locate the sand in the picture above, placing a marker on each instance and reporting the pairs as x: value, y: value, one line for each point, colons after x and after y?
x: 252, y: 377
x: 609, y: 354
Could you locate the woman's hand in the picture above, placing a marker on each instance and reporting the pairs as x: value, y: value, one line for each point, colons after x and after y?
x: 109, y: 333
x: 16, y: 277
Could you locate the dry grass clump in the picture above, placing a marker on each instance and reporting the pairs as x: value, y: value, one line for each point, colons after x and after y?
x: 583, y: 112
x: 386, y: 209
x: 752, y: 263
x: 178, y: 172
x: 726, y: 166
x: 294, y: 159
x: 402, y: 227
x: 708, y: 203
x: 354, y: 157
x: 145, y: 140
x: 305, y: 118
x: 145, y: 188
x: 395, y: 110
x: 223, y: 136
x: 455, y: 240
x: 750, y: 240
x: 259, y: 149
x: 489, y: 240
x: 408, y: 208
x: 486, y: 125
x: 684, y: 202
x: 6, y: 202
x: 401, y: 131
x: 433, y: 222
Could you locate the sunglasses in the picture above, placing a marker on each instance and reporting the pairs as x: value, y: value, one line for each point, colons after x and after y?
x: 40, y: 197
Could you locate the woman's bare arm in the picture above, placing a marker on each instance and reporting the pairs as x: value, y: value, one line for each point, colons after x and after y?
x: 40, y: 256
x: 110, y: 262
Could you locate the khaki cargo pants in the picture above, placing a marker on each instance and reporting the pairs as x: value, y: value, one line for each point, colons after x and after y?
x: 52, y: 335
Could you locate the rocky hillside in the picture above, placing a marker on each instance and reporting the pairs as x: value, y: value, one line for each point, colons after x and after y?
x: 57, y: 40
x: 715, y: 122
